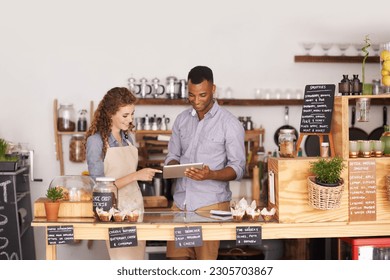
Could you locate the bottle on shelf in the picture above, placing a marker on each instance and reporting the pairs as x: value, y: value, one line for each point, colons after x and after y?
x: 82, y: 121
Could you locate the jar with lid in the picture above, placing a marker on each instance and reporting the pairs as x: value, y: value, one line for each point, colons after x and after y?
x: 66, y: 120
x: 82, y: 121
x: 287, y: 143
x: 324, y: 149
x: 77, y: 148
x: 104, y: 194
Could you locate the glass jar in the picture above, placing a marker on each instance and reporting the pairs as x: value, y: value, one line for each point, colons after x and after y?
x: 324, y: 149
x: 287, y: 143
x: 66, y: 118
x: 82, y: 121
x: 77, y: 148
x: 74, y: 187
x: 363, y: 106
x: 385, y: 138
x: 385, y: 66
x: 104, y: 194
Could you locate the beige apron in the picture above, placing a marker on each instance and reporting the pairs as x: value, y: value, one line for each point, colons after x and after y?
x: 119, y: 162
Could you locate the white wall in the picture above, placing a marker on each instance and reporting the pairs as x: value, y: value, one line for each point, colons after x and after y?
x: 76, y: 50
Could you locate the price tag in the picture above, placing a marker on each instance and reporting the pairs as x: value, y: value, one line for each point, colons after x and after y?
x: 57, y: 235
x: 188, y: 237
x: 122, y: 237
x: 248, y: 236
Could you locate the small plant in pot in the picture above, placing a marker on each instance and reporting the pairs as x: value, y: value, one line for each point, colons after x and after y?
x: 326, y: 187
x: 327, y: 171
x: 52, y: 205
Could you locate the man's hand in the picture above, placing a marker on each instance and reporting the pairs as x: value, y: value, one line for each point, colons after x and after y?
x: 198, y: 174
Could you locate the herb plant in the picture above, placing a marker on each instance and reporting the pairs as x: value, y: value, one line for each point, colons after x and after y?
x: 54, y: 194
x: 328, y: 170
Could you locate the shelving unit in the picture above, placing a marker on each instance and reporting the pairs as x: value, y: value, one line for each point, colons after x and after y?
x: 58, y: 135
x: 335, y: 59
x: 225, y: 102
x: 341, y: 122
x: 291, y: 177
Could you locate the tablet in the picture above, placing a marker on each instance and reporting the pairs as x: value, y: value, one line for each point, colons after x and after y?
x: 177, y: 170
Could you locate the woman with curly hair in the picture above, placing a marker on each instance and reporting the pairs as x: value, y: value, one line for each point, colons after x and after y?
x: 111, y: 153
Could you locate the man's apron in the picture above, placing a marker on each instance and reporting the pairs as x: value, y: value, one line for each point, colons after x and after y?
x: 119, y: 162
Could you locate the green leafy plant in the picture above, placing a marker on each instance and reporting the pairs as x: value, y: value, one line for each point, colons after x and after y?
x: 3, y: 150
x: 54, y: 194
x: 328, y: 170
x: 366, y: 53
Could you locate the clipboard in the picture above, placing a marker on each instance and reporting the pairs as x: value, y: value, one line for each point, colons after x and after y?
x: 177, y: 170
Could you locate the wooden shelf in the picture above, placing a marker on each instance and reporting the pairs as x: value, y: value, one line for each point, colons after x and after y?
x: 58, y: 134
x: 335, y: 59
x: 226, y: 102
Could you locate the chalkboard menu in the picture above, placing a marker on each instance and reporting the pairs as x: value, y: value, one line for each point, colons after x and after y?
x: 188, y: 236
x: 362, y: 190
x: 57, y: 235
x: 317, y: 109
x: 122, y: 237
x: 9, y: 241
x: 248, y: 236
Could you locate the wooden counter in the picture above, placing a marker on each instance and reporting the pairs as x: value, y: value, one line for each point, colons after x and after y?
x: 151, y: 229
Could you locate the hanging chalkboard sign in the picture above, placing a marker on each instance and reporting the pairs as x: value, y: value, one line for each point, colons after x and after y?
x: 188, y: 236
x: 317, y: 109
x: 122, y: 237
x: 57, y: 235
x: 10, y: 248
x: 248, y: 236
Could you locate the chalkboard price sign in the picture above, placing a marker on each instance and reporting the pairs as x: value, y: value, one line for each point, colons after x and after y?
x: 362, y: 190
x: 103, y: 200
x: 248, y: 236
x: 9, y: 243
x: 317, y: 109
x: 57, y: 235
x: 188, y: 237
x: 123, y: 237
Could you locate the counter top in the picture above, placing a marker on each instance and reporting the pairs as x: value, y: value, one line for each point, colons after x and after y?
x: 159, y: 225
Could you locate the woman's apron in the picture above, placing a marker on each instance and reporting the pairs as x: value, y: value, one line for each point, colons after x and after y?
x: 119, y: 162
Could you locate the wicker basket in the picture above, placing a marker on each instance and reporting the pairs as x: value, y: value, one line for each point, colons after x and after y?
x: 388, y: 187
x: 324, y: 198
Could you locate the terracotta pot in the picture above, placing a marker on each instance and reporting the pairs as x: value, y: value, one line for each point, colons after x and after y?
x: 52, y: 209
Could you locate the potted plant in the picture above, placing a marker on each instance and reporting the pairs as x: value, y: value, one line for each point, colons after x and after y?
x: 327, y: 171
x: 52, y: 205
x: 325, y: 188
x: 7, y: 163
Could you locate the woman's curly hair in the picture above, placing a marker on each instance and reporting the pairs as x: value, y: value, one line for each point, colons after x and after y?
x: 114, y: 99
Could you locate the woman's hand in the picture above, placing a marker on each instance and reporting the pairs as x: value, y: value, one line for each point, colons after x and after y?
x: 147, y: 174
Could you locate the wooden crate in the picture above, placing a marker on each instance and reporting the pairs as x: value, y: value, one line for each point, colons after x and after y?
x: 291, y: 195
x: 68, y: 209
x: 83, y: 209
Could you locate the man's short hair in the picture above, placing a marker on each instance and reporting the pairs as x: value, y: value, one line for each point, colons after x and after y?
x: 200, y: 73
